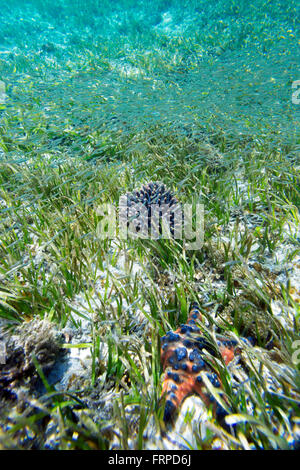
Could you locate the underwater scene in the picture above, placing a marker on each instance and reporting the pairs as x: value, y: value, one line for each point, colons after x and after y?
x: 149, y: 225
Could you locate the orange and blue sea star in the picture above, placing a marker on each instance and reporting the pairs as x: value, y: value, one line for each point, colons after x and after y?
x: 183, y: 359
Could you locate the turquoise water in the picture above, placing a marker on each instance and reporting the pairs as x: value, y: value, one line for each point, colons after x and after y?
x: 72, y: 68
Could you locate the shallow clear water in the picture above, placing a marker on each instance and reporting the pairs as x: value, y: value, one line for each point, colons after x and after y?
x: 97, y: 98
x: 189, y: 66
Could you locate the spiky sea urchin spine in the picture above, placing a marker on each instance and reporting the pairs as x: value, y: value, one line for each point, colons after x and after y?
x: 150, y: 208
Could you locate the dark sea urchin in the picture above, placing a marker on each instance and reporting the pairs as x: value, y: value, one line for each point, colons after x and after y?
x: 152, y: 211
